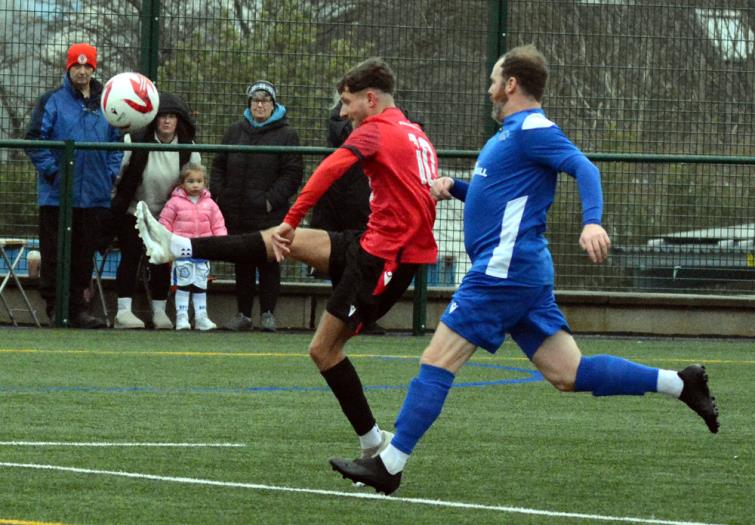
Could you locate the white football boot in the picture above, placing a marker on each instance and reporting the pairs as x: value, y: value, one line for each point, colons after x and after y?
x: 155, y: 236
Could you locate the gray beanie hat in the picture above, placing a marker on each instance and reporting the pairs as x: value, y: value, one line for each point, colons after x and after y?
x: 261, y: 85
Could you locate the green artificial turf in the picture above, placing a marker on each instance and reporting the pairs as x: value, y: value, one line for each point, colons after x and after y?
x: 501, y: 444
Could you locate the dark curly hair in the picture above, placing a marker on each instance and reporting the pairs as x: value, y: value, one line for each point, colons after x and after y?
x: 372, y: 73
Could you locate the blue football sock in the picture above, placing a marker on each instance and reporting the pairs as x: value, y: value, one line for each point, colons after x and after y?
x: 607, y: 375
x: 422, y: 406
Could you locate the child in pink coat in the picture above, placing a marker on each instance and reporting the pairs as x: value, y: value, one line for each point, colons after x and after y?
x: 191, y: 212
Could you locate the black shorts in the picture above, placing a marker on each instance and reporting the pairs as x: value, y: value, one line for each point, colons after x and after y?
x: 365, y: 287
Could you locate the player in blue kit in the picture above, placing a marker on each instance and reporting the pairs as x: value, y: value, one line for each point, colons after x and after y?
x: 509, y: 288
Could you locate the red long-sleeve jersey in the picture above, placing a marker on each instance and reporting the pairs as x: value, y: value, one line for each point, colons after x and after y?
x: 401, y: 164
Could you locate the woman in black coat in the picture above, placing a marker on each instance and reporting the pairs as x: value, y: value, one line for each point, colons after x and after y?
x: 253, y: 191
x: 149, y: 176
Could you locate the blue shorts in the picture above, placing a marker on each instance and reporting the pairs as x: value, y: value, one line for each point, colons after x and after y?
x: 485, y: 308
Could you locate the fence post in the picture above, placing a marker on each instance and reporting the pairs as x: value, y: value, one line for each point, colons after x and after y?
x: 419, y: 312
x: 150, y: 38
x: 65, y: 214
x: 498, y: 20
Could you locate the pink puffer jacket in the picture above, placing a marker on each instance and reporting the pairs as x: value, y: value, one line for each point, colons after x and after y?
x: 183, y: 217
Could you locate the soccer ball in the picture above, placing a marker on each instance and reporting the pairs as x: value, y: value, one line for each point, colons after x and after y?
x: 129, y: 101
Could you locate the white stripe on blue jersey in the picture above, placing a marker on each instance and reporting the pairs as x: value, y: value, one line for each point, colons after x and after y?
x: 512, y: 188
x: 499, y: 263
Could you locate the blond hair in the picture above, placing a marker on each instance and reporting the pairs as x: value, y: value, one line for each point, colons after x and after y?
x: 192, y: 167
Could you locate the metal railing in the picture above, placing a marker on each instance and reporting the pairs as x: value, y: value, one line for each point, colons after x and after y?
x: 639, y: 258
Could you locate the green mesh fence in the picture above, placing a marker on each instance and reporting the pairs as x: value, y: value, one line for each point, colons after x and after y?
x: 627, y: 76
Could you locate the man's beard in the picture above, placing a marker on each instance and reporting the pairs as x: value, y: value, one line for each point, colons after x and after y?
x: 497, y: 111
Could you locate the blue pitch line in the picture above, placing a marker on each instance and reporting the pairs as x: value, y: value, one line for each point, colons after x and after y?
x: 531, y: 376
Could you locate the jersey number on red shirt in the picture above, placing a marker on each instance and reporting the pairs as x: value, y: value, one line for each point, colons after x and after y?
x: 425, y: 159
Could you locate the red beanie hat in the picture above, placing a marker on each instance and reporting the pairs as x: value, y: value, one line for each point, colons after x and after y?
x: 82, y: 54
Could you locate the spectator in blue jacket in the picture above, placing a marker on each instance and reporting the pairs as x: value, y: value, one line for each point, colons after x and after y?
x: 72, y: 112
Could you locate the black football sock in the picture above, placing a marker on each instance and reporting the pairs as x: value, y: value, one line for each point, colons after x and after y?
x: 344, y: 381
x: 245, y: 248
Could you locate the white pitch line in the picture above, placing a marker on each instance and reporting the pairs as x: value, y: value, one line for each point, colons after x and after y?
x: 115, y: 444
x: 418, y: 501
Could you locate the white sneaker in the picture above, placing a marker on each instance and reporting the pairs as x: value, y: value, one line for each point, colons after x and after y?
x: 155, y: 236
x: 204, y: 323
x: 374, y: 451
x: 240, y: 323
x: 161, y: 321
x: 182, y: 322
x: 267, y: 322
x: 125, y: 319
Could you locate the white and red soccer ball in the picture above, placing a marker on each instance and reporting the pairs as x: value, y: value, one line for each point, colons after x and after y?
x: 129, y: 101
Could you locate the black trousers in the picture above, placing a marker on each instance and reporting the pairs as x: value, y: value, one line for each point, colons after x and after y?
x: 84, y: 238
x: 246, y: 272
x: 268, y: 289
x: 132, y: 248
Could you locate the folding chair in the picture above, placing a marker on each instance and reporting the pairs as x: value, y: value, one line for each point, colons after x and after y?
x: 20, y: 245
x: 99, y: 269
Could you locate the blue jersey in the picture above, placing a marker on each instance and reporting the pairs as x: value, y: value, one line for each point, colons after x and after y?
x: 512, y: 188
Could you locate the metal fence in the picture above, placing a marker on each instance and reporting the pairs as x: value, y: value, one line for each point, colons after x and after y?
x: 627, y: 77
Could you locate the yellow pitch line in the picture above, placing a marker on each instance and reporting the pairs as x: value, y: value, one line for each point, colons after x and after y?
x: 4, y: 521
x: 147, y: 352
x: 160, y: 353
x: 180, y: 354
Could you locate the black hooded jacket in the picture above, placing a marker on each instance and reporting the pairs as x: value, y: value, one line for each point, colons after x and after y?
x: 346, y: 204
x: 131, y: 178
x: 244, y: 183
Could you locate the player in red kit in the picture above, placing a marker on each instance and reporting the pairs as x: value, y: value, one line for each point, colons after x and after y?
x: 370, y: 270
